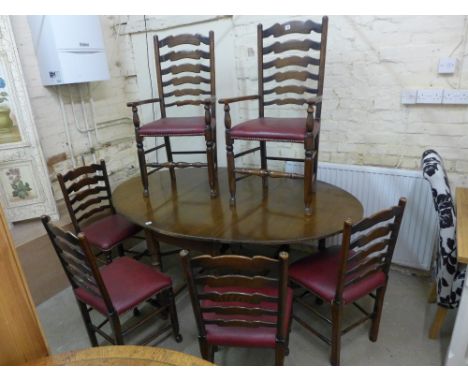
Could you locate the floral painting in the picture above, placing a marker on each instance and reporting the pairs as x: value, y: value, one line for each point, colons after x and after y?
x: 18, y: 183
x: 9, y: 130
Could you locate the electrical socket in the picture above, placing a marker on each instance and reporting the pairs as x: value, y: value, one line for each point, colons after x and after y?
x: 447, y: 65
x: 408, y: 96
x: 432, y: 96
x: 455, y: 97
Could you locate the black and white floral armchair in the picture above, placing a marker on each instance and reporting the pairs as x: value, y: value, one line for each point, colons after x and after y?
x: 449, y: 274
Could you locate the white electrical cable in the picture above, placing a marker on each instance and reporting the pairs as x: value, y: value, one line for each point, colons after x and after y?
x: 85, y: 117
x: 93, y: 115
x: 65, y: 122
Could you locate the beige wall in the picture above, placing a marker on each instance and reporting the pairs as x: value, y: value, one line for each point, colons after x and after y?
x: 370, y: 60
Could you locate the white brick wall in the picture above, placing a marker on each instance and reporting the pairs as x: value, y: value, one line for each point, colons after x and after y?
x: 369, y: 60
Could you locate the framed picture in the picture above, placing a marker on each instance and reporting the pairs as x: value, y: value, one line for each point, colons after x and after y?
x: 10, y: 134
x: 18, y: 184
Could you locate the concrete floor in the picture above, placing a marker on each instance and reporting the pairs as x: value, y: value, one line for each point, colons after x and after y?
x: 402, y: 339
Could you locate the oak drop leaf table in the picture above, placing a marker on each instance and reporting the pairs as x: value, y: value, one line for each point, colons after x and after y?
x: 183, y: 214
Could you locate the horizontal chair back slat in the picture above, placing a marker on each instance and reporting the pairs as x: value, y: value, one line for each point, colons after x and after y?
x: 303, y: 45
x: 304, y: 27
x: 239, y: 310
x: 291, y: 89
x: 176, y: 69
x: 235, y: 262
x: 241, y: 323
x: 183, y: 39
x: 236, y: 280
x: 185, y: 54
x: 291, y: 61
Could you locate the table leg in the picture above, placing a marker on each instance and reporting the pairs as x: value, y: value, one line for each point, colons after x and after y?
x: 153, y: 249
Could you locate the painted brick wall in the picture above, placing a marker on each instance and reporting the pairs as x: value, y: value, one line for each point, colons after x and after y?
x: 115, y: 139
x: 370, y: 59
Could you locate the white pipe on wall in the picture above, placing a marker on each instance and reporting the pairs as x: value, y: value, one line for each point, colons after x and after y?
x: 65, y: 122
x: 85, y: 117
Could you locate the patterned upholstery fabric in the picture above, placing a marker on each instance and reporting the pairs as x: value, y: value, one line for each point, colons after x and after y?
x: 449, y: 275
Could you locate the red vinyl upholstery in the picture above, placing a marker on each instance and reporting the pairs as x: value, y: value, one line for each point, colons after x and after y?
x: 109, y: 231
x: 245, y: 336
x: 271, y: 129
x: 319, y: 274
x: 128, y: 283
x: 179, y: 126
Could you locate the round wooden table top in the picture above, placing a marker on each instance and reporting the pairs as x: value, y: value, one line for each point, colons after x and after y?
x: 125, y: 355
x: 185, y: 210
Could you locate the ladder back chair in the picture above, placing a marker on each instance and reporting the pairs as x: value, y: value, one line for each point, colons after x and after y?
x: 236, y: 304
x: 114, y: 289
x: 87, y: 194
x: 449, y: 274
x: 194, y: 77
x: 342, y: 275
x: 279, y: 85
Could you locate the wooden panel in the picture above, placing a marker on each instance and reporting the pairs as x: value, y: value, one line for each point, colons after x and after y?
x: 22, y: 339
x: 462, y: 224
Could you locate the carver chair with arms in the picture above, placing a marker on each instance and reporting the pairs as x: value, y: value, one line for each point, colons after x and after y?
x: 240, y: 301
x: 344, y: 274
x: 297, y: 87
x: 114, y: 289
x: 174, y: 86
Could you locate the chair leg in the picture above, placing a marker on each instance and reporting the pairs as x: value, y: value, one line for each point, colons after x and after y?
x: 116, y: 328
x: 231, y: 168
x: 121, y: 250
x: 439, y: 318
x: 377, y: 314
x: 142, y: 163
x: 432, y: 298
x: 167, y: 143
x: 210, y: 156
x: 88, y: 324
x: 264, y: 163
x: 280, y: 352
x: 173, y: 314
x: 337, y: 309
x: 206, y: 350
x: 108, y: 255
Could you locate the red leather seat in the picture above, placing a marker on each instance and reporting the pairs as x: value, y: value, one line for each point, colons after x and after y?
x: 128, y: 283
x: 271, y: 129
x: 109, y: 231
x: 245, y: 336
x: 319, y: 274
x: 174, y: 126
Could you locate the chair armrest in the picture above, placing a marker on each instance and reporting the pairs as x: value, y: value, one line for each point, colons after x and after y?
x: 227, y: 101
x: 314, y: 100
x: 138, y: 103
x: 209, y: 101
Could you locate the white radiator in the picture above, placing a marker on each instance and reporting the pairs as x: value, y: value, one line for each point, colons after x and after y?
x: 378, y: 188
